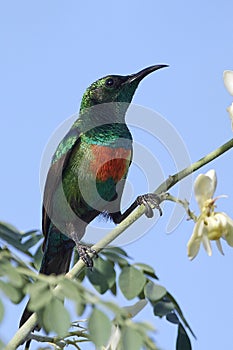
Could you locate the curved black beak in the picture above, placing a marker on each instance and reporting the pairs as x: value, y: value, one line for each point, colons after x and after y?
x: 144, y: 72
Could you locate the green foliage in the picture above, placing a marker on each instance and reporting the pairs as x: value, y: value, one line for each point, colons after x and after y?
x: 55, y: 317
x: 107, y: 322
x: 19, y: 240
x: 131, y: 339
x: 1, y: 311
x: 131, y: 281
x: 154, y: 292
x: 99, y: 327
x: 182, y: 341
x: 103, y: 275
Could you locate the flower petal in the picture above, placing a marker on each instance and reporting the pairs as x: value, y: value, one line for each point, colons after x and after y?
x: 230, y: 111
x: 228, y: 231
x: 204, y: 187
x: 228, y: 80
x: 207, y: 245
x: 219, y: 245
x: 194, y: 243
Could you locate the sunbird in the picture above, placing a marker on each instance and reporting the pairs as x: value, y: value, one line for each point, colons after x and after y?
x: 88, y: 172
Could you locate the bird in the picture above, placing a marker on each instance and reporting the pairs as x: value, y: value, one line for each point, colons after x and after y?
x: 88, y: 172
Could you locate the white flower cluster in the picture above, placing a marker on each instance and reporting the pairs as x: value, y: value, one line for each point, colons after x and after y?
x: 210, y: 225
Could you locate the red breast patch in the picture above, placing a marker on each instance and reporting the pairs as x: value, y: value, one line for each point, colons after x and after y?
x: 109, y: 162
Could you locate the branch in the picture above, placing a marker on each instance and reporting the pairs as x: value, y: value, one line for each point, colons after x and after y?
x: 28, y: 326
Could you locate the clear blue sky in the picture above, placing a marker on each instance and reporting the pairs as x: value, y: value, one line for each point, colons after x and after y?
x: 51, y: 51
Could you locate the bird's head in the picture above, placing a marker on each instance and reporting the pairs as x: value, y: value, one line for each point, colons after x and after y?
x: 115, y: 88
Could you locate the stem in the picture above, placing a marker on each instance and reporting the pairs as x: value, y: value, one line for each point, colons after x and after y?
x: 172, y: 180
x: 28, y: 326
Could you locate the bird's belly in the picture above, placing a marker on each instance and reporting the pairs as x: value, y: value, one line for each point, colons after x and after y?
x: 109, y: 163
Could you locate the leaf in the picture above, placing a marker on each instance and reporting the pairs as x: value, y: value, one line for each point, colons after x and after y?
x: 113, y: 289
x: 33, y: 240
x: 99, y: 327
x: 69, y: 289
x: 11, y: 235
x: 13, y: 293
x: 131, y: 282
x: 117, y: 250
x: 56, y: 318
x: 8, y: 230
x: 36, y: 288
x: 154, y: 292
x: 1, y: 311
x: 147, y: 269
x: 182, y: 341
x: 37, y: 302
x: 80, y: 307
x: 103, y: 275
x: 116, y: 258
x: 37, y: 258
x: 11, y: 272
x: 33, y: 232
x: 40, y: 295
x: 131, y: 339
x: 178, y: 309
x: 162, y: 308
x: 172, y: 317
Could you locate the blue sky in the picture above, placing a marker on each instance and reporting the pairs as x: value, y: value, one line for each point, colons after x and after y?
x: 51, y: 51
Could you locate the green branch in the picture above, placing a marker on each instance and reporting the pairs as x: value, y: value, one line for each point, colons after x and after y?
x: 28, y: 326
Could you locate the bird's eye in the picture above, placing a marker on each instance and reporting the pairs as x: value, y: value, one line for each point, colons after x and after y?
x: 109, y: 82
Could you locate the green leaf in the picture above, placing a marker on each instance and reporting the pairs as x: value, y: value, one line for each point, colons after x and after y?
x: 8, y: 230
x: 147, y: 269
x: 178, y: 309
x: 11, y: 272
x: 36, y: 288
x: 56, y: 318
x: 40, y: 295
x: 103, y: 275
x: 1, y: 311
x: 172, y: 317
x: 131, y: 339
x: 116, y: 250
x: 33, y: 240
x: 131, y: 282
x: 11, y: 235
x: 13, y: 293
x: 37, y: 258
x: 162, y: 308
x: 99, y: 327
x: 38, y: 302
x: 80, y: 307
x: 154, y: 292
x: 113, y: 289
x: 182, y: 341
x: 68, y: 289
x: 116, y: 258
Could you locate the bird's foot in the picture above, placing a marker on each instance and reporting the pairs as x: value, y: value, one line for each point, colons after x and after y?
x: 151, y: 201
x: 84, y: 252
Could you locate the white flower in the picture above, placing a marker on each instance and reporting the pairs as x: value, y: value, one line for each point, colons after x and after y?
x: 210, y: 225
x: 230, y: 111
x: 228, y: 82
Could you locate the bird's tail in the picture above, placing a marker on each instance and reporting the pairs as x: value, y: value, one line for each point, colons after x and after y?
x: 58, y: 250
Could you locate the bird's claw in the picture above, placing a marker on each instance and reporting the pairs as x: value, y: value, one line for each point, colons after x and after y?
x: 84, y: 252
x: 151, y: 201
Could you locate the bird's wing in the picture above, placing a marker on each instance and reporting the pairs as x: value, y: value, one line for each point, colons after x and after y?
x: 54, y: 176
